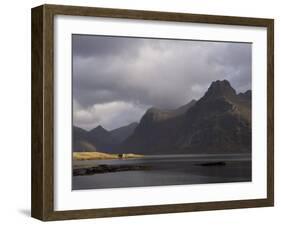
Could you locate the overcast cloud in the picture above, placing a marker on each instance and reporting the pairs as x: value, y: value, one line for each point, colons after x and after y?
x: 116, y: 79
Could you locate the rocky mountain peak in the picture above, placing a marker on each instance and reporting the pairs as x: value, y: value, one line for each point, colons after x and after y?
x: 99, y: 129
x: 220, y: 89
x: 219, y: 122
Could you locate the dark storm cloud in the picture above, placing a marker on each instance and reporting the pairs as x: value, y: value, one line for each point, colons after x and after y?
x: 122, y: 77
x: 103, y: 46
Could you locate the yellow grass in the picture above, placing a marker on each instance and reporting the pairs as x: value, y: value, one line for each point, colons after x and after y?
x: 94, y: 155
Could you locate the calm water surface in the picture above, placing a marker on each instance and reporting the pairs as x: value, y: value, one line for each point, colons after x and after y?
x: 167, y: 170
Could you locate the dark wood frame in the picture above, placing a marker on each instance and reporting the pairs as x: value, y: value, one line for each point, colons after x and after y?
x: 42, y: 203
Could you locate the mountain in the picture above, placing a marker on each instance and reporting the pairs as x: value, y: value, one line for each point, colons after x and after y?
x: 156, y: 131
x: 219, y: 122
x: 184, y: 108
x: 102, y: 139
x: 122, y: 133
x: 99, y: 139
x: 154, y: 115
x: 80, y: 140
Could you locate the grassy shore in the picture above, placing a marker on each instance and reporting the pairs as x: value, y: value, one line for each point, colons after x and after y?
x: 94, y: 155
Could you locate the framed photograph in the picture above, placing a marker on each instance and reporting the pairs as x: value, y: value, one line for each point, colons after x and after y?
x: 142, y: 112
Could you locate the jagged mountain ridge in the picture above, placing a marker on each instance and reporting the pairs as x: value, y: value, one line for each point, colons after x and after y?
x: 100, y: 139
x: 219, y: 122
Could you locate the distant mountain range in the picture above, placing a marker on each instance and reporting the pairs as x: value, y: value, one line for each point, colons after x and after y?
x: 99, y: 139
x: 219, y: 122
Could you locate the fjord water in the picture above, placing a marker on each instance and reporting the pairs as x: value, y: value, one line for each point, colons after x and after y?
x: 168, y: 170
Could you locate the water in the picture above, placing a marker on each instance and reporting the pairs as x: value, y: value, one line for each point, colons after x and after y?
x: 167, y: 170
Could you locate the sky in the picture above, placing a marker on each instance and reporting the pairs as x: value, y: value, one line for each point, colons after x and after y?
x: 116, y: 79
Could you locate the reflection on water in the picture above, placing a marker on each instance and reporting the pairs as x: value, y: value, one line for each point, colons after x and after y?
x: 167, y: 170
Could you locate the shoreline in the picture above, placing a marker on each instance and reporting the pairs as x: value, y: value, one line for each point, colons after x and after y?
x: 106, y: 169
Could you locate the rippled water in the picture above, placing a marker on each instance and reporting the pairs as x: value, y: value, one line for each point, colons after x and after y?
x: 167, y: 170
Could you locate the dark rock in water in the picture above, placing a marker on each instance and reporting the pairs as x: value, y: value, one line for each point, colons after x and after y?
x: 107, y: 169
x: 212, y: 164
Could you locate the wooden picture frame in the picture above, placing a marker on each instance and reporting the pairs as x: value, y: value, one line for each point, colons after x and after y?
x: 42, y: 205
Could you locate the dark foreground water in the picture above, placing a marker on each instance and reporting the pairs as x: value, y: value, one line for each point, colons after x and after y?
x: 167, y: 170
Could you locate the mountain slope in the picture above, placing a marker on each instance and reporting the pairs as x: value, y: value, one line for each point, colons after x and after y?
x: 220, y: 122
x: 122, y: 133
x: 99, y: 139
x: 156, y: 131
x: 80, y: 140
x: 102, y: 139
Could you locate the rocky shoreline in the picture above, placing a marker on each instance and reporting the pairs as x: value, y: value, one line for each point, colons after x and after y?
x: 106, y: 169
